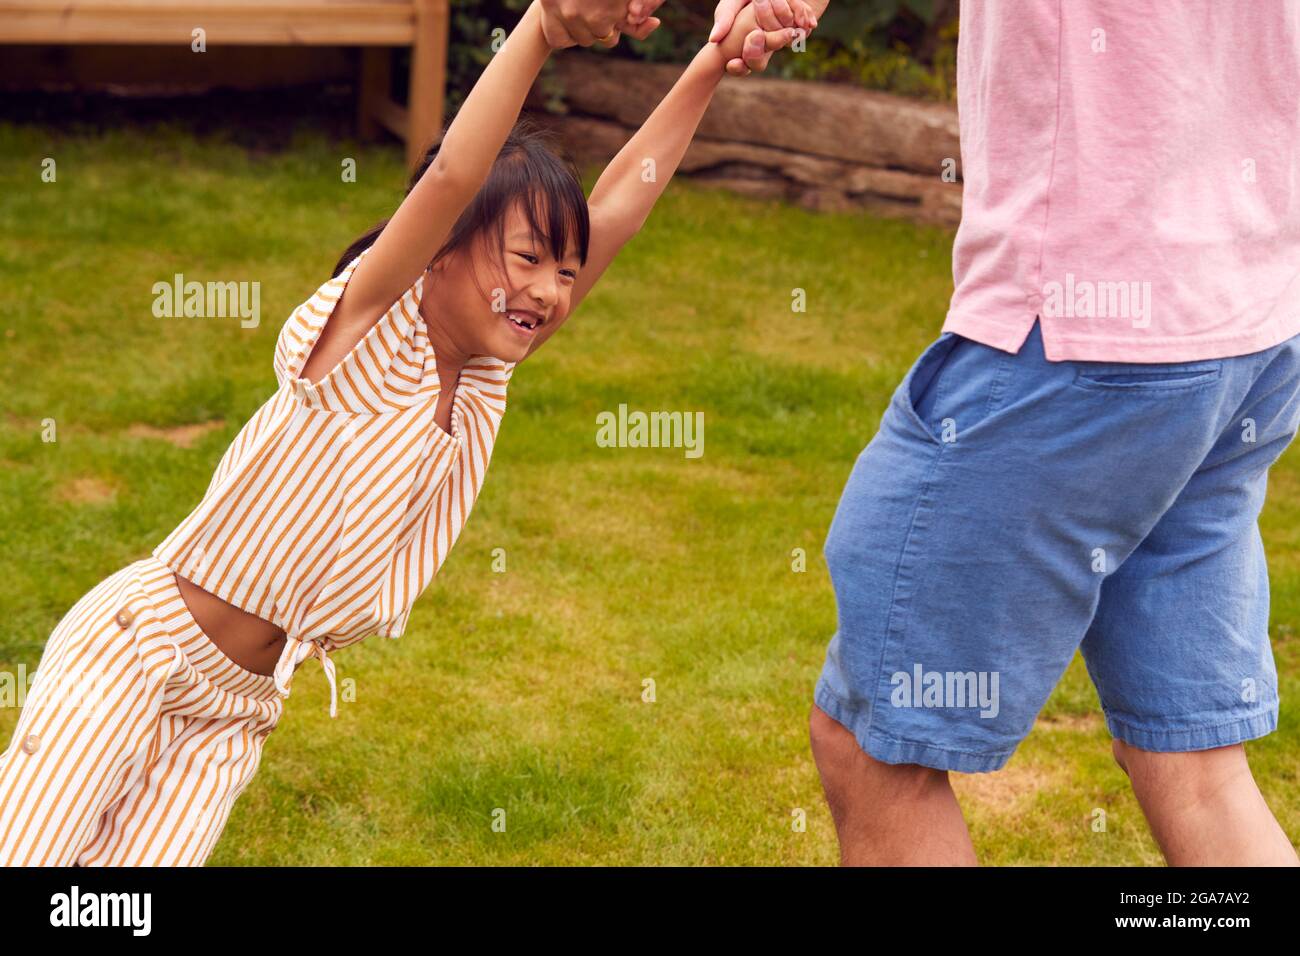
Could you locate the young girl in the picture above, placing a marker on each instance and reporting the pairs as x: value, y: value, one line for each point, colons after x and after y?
x: 342, y: 495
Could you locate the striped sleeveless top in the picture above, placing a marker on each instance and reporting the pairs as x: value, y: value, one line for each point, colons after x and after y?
x: 339, y: 500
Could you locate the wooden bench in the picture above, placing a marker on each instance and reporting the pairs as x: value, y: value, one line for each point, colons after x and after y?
x: 376, y: 26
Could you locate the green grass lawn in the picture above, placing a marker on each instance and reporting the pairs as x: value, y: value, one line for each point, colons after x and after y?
x: 523, y: 690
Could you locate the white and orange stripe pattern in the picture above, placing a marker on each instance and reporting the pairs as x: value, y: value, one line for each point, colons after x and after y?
x: 137, y: 736
x: 339, y: 500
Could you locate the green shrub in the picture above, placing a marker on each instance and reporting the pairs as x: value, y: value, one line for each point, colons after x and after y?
x: 900, y: 46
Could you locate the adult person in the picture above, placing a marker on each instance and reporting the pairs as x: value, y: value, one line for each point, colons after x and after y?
x: 1080, y: 458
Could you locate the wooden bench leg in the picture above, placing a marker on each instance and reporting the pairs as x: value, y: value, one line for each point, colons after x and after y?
x: 376, y: 81
x: 428, y: 72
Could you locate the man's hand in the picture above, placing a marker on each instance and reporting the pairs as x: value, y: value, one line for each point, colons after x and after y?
x: 569, y: 23
x: 772, y: 19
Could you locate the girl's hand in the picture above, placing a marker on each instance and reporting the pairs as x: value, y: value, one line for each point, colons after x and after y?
x: 768, y: 15
x: 608, y: 41
x: 777, y: 24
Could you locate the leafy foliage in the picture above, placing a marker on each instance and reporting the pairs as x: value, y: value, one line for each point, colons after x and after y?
x: 902, y: 46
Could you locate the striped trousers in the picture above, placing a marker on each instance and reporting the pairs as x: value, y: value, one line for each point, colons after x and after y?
x: 136, y: 737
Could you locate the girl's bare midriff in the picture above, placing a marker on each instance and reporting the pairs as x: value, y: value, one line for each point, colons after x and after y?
x: 248, y: 640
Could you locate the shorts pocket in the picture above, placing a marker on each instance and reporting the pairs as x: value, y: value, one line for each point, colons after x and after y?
x: 921, y: 376
x: 1130, y: 378
x: 956, y: 385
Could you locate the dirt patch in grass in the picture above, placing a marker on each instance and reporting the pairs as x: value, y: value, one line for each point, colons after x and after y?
x: 1079, y: 723
x: 1005, y: 791
x: 1012, y: 789
x: 86, y: 491
x: 182, y: 436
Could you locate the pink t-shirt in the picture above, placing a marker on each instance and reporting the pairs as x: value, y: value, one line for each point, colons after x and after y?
x: 1132, y: 176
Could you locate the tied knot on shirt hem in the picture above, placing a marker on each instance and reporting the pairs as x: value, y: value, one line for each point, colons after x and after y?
x: 295, y: 652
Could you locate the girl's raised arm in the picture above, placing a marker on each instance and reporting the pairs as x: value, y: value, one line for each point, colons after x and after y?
x: 423, y: 221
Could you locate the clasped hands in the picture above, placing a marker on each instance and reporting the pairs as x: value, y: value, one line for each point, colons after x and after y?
x: 569, y: 23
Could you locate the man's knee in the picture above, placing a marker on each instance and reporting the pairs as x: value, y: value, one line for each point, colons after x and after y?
x: 833, y: 745
x: 1139, y: 763
x: 1120, y: 751
x: 846, y: 768
x: 1190, y: 769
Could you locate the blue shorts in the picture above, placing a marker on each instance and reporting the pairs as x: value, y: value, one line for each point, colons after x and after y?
x: 1012, y: 509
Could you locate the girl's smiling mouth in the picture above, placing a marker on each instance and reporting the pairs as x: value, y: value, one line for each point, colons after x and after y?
x: 524, y: 322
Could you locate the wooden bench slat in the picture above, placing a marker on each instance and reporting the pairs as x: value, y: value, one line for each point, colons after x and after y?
x: 173, y: 6
x: 273, y: 23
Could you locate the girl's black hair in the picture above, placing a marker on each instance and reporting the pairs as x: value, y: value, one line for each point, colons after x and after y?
x: 530, y: 169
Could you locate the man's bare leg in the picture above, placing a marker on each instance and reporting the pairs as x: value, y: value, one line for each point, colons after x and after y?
x: 887, y: 814
x: 1204, y: 808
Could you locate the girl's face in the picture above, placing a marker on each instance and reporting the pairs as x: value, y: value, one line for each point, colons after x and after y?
x: 525, y: 305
